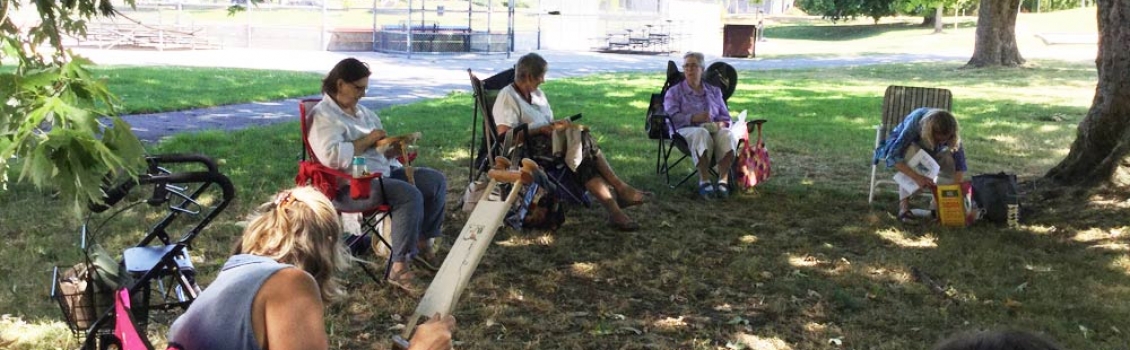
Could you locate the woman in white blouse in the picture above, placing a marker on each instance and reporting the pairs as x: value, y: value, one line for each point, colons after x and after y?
x: 524, y: 102
x: 343, y: 129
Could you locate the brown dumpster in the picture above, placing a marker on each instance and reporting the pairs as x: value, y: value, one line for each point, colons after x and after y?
x: 738, y: 40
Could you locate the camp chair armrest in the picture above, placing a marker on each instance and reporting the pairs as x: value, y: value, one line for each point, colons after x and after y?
x: 662, y: 122
x: 324, y: 178
x: 523, y: 128
x: 319, y: 167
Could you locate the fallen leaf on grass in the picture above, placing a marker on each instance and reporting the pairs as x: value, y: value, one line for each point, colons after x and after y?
x: 1035, y: 268
x: 1022, y: 287
x: 1013, y: 304
x: 737, y: 320
x: 630, y: 329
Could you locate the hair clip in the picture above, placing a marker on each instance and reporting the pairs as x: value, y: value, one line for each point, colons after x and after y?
x: 283, y: 199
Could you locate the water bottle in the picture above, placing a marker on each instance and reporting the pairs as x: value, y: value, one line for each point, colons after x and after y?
x: 359, y: 169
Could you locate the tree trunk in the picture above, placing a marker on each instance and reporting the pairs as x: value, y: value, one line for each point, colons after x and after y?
x: 928, y: 20
x: 996, y: 35
x: 938, y: 20
x: 1103, y: 138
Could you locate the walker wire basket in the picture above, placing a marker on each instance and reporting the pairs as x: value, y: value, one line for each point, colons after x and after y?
x: 80, y: 297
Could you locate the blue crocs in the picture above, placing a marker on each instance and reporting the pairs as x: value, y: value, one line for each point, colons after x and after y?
x: 706, y: 191
x: 723, y: 190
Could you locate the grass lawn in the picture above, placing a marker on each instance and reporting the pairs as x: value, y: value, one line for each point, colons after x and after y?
x: 161, y: 89
x: 804, y: 36
x: 146, y: 89
x: 801, y: 263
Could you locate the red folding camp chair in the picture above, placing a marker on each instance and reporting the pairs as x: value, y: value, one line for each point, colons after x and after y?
x: 328, y: 181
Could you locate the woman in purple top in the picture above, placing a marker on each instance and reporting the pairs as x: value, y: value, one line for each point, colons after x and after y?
x: 700, y: 115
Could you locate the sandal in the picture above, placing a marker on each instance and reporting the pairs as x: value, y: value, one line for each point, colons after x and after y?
x: 407, y: 282
x: 706, y: 191
x: 624, y: 203
x: 907, y: 217
x: 426, y: 261
x: 426, y: 258
x: 626, y: 226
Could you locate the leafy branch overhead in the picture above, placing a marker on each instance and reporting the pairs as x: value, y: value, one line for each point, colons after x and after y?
x: 58, y: 124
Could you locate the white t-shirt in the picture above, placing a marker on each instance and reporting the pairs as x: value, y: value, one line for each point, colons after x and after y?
x: 332, y: 133
x: 510, y: 109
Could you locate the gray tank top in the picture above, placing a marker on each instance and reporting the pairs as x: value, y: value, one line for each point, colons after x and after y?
x: 221, y: 317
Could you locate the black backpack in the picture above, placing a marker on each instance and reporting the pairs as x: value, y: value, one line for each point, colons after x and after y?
x: 995, y: 194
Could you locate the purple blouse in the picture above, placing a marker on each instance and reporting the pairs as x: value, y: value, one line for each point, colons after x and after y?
x: 682, y: 102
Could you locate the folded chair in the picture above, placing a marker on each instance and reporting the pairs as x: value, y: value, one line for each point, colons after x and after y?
x: 329, y: 181
x: 485, y: 92
x: 660, y: 127
x: 898, y: 102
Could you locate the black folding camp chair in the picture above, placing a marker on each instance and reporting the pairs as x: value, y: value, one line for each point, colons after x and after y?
x: 659, y: 126
x: 491, y: 145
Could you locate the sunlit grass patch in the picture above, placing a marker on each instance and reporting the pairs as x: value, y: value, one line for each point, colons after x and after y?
x: 145, y: 89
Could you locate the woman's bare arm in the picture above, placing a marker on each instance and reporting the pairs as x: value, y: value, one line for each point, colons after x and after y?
x: 292, y: 312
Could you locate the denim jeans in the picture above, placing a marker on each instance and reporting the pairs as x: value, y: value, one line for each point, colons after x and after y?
x: 417, y: 211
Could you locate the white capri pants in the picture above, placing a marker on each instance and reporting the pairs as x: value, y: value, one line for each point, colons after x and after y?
x: 701, y: 142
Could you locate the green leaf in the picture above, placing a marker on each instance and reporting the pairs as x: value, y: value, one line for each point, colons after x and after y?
x: 39, y: 79
x: 123, y: 143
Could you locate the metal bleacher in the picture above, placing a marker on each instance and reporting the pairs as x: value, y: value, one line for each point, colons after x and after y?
x: 134, y: 35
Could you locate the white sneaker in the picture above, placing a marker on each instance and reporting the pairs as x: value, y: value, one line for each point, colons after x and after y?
x: 921, y: 213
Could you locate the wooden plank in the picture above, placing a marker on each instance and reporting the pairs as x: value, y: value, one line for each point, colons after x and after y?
x: 470, y: 246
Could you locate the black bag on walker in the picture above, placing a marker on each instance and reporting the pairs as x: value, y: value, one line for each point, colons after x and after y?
x: 998, y: 195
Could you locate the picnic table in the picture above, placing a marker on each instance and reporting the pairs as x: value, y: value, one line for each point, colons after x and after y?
x: 644, y: 39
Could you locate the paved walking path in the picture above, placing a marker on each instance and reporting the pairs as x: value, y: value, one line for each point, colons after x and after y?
x: 398, y: 79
